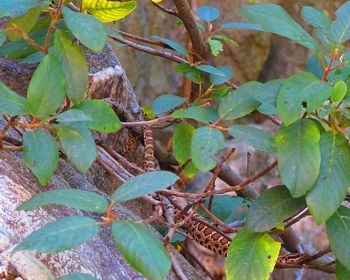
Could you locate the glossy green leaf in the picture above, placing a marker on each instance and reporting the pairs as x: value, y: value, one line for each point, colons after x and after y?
x: 190, y: 171
x: 104, y: 119
x: 271, y: 208
x: 318, y: 20
x: 341, y: 271
x: 267, y: 94
x: 302, y: 92
x: 79, y: 199
x: 15, y: 8
x: 74, y: 65
x: 257, y: 138
x: 174, y: 45
x: 182, y: 141
x: 86, y: 28
x: 194, y: 112
x: 21, y: 48
x: 25, y: 22
x: 11, y: 103
x: 206, y: 142
x: 144, y: 252
x: 239, y: 103
x: 77, y: 144
x: 251, y: 256
x: 60, y: 235
x: 299, y: 156
x: 144, y: 184
x: 216, y: 47
x: 166, y: 103
x: 208, y: 13
x: 331, y: 186
x: 40, y: 154
x: 218, y: 80
x: 73, y: 115
x: 338, y: 231
x: 340, y: 28
x: 225, y: 207
x: 77, y: 276
x: 210, y: 69
x: 189, y: 72
x: 339, y: 91
x: 36, y: 57
x: 47, y: 88
x: 240, y: 25
x: 275, y: 19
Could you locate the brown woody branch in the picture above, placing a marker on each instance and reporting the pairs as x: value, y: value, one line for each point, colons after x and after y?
x: 185, y: 14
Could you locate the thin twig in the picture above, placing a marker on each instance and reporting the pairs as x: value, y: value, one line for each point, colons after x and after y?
x: 166, y: 10
x: 149, y: 50
x: 143, y: 40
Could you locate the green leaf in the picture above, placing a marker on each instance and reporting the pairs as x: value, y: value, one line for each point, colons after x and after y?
x: 190, y: 171
x: 216, y: 47
x: 239, y: 103
x: 182, y: 141
x: 208, y: 13
x: 21, y: 48
x: 79, y: 199
x: 267, y: 94
x: 86, y: 28
x: 272, y: 207
x: 339, y: 91
x: 302, y: 92
x: 218, y: 80
x: 25, y: 22
x: 257, y: 138
x: 77, y: 144
x: 340, y: 28
x: 332, y: 184
x: 275, y: 19
x: 77, y: 276
x: 40, y: 154
x: 104, y: 119
x: 166, y: 103
x: 210, y: 69
x: 33, y: 58
x: 341, y: 271
x: 144, y: 252
x: 144, y: 184
x: 225, y: 207
x: 47, y: 88
x: 318, y: 20
x: 11, y: 103
x: 60, y: 235
x: 299, y: 156
x: 226, y: 40
x: 3, y: 37
x: 73, y: 115
x: 338, y: 231
x: 195, y: 112
x: 174, y: 45
x: 206, y: 142
x: 15, y: 8
x: 251, y: 256
x: 74, y: 65
x: 189, y: 72
x: 240, y: 25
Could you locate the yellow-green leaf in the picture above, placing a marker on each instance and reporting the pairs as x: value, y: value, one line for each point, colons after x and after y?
x: 108, y: 11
